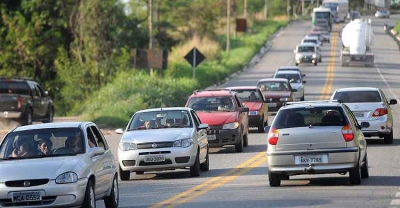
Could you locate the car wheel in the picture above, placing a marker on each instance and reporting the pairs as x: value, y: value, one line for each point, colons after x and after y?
x: 124, y: 175
x: 388, y: 139
x: 112, y: 201
x: 261, y: 126
x: 315, y: 64
x: 205, y: 166
x: 50, y: 116
x: 27, y: 120
x: 239, y: 147
x: 320, y: 60
x: 195, y: 169
x: 90, y: 200
x: 364, y: 169
x: 139, y: 172
x: 355, y: 175
x: 245, y: 140
x: 274, y: 179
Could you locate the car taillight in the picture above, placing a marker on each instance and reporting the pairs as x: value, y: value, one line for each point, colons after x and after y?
x: 380, y: 112
x: 347, y: 132
x: 273, y: 136
x: 19, y: 102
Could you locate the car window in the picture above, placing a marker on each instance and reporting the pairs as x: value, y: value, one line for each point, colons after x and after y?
x: 352, y: 118
x: 40, y: 89
x: 92, y: 138
x: 224, y: 103
x: 358, y: 96
x: 383, y: 96
x: 306, y: 49
x: 292, y: 78
x: 273, y: 86
x: 310, y: 116
x: 250, y: 95
x: 10, y: 87
x: 195, y: 119
x: 161, y: 119
x: 99, y: 137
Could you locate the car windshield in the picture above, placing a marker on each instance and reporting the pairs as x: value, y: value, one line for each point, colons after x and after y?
x: 273, y: 86
x: 305, y: 49
x: 310, y: 116
x: 36, y: 143
x: 212, y: 104
x: 332, y: 6
x: 249, y: 95
x: 358, y: 96
x: 309, y: 41
x: 161, y: 119
x: 293, y: 78
x: 11, y: 87
x: 322, y: 14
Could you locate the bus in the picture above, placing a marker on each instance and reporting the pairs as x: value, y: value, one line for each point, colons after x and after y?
x: 339, y: 8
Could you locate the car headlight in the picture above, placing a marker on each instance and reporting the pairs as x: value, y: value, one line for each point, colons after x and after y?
x: 68, y: 177
x: 314, y: 55
x: 233, y: 125
x: 183, y: 143
x: 125, y: 146
x: 253, y: 113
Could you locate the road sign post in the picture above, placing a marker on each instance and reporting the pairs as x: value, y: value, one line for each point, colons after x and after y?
x: 194, y: 57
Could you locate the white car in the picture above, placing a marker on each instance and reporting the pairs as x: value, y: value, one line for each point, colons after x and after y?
x: 291, y: 68
x: 382, y: 13
x: 369, y: 104
x: 317, y: 43
x: 296, y: 82
x: 57, y: 165
x: 163, y: 139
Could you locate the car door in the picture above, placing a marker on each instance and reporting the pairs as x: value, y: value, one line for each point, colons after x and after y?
x: 201, y: 135
x: 264, y: 106
x: 97, y: 164
x: 44, y: 101
x: 36, y: 101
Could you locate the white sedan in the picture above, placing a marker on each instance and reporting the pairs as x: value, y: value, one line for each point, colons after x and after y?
x: 296, y: 82
x: 163, y: 139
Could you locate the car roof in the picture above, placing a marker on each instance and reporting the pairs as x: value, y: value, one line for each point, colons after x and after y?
x: 357, y: 89
x: 212, y: 93
x: 307, y: 44
x: 164, y: 109
x: 288, y: 72
x: 51, y: 125
x: 310, y: 38
x: 273, y: 80
x: 289, y: 67
x: 317, y: 103
x: 243, y: 88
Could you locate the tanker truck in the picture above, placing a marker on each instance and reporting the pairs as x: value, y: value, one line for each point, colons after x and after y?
x: 357, y: 38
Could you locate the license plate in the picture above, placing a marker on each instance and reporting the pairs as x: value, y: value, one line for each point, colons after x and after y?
x: 271, y: 104
x: 211, y: 137
x: 26, y: 196
x: 311, y: 159
x: 358, y: 114
x: 158, y: 158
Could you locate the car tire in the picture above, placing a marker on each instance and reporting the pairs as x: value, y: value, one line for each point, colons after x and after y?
x: 274, y: 179
x: 49, y: 116
x: 124, y: 175
x: 90, y: 197
x: 195, y: 168
x: 139, y: 172
x: 239, y: 147
x: 315, y: 64
x: 245, y: 140
x: 261, y: 126
x: 112, y: 201
x: 205, y: 166
x: 365, y: 168
x: 355, y: 175
x: 27, y: 119
x: 388, y: 139
x: 320, y: 60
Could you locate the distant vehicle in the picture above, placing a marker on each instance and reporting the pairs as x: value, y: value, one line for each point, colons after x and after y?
x: 24, y: 101
x: 306, y: 53
x: 291, y: 68
x: 316, y: 137
x: 316, y: 35
x: 253, y: 98
x: 276, y: 92
x: 369, y: 104
x: 322, y: 17
x: 354, y: 15
x: 224, y: 112
x: 163, y: 139
x: 382, y: 13
x: 339, y: 8
x: 57, y: 165
x: 315, y: 40
x: 296, y: 82
x: 326, y: 37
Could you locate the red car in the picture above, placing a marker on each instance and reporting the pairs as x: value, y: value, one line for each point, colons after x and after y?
x: 276, y: 91
x: 227, y: 118
x: 253, y: 98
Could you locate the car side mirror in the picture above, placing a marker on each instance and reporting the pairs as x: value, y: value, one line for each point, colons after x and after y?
x: 266, y: 129
x: 303, y: 75
x: 364, y: 124
x: 119, y: 131
x: 244, y: 109
x: 294, y: 90
x: 203, y: 126
x: 304, y: 81
x: 96, y: 151
x: 392, y: 101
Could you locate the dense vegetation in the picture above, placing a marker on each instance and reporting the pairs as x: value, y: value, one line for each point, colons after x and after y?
x: 80, y: 50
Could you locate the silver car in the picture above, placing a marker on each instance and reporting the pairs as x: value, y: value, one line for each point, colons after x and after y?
x: 370, y: 104
x: 296, y: 82
x: 306, y: 53
x: 57, y: 165
x: 316, y: 137
x: 382, y: 13
x: 291, y: 68
x: 163, y: 139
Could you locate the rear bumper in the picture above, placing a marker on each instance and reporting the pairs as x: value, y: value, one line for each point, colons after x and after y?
x: 254, y: 121
x: 10, y: 114
x: 375, y: 127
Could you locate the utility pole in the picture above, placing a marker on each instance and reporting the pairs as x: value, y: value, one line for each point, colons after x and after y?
x: 288, y: 8
x: 265, y: 9
x: 302, y: 7
x: 151, y: 30
x: 228, y: 27
x: 245, y: 9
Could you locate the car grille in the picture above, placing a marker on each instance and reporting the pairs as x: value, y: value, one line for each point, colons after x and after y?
x: 158, y: 145
x: 46, y: 200
x: 166, y: 162
x: 32, y: 182
x: 155, y: 153
x: 272, y: 100
x: 214, y: 130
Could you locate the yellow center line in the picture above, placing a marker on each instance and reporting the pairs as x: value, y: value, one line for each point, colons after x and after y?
x: 213, y: 183
x: 327, y: 88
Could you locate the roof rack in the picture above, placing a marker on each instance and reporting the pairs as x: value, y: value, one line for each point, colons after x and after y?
x: 314, y: 101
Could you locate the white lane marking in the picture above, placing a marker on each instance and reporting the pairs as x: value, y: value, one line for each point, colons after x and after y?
x: 384, y: 80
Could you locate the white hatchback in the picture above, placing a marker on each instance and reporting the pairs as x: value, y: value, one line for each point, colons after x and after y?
x: 369, y: 104
x: 163, y: 139
x: 296, y: 82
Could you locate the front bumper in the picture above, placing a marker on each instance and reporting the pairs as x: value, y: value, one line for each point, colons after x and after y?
x: 10, y: 114
x: 175, y: 158
x: 53, y: 195
x: 306, y: 59
x: 224, y: 137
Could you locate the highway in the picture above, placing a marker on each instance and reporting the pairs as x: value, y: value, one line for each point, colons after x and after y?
x: 240, y: 179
